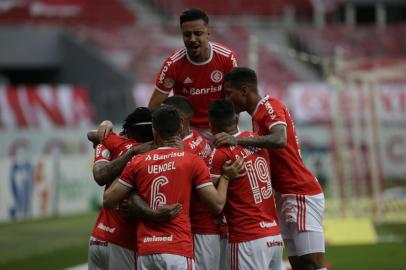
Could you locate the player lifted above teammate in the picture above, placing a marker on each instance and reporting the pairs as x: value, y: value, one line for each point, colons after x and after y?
x: 195, y: 71
x: 299, y: 197
x: 164, y: 176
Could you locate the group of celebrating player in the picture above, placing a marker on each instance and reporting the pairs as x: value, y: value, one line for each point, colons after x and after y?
x: 185, y: 189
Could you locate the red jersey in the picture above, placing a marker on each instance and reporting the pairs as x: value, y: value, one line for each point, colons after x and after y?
x: 289, y: 173
x: 201, y: 83
x: 110, y: 225
x: 201, y: 218
x: 196, y: 144
x: 250, y: 207
x: 166, y: 176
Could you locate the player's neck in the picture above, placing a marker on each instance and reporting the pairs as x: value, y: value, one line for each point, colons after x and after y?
x: 203, y: 57
x: 252, y: 104
x: 186, y: 132
x: 173, y: 141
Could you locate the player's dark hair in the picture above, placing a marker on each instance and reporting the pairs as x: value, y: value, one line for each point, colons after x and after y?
x: 182, y: 104
x: 138, y: 124
x: 222, y: 114
x: 240, y: 76
x: 193, y: 14
x: 166, y: 121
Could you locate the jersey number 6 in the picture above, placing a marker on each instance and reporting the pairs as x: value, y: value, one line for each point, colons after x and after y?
x: 158, y: 199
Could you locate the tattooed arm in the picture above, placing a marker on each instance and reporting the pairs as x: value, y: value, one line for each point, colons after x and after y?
x: 106, y: 171
x: 135, y: 206
x: 275, y: 139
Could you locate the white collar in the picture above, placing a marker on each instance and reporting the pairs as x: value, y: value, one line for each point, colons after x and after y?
x: 259, y: 102
x: 201, y: 63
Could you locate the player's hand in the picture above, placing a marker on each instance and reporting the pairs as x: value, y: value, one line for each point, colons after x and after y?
x: 223, y: 138
x: 166, y: 213
x: 234, y: 170
x: 128, y: 210
x: 92, y: 137
x: 104, y: 129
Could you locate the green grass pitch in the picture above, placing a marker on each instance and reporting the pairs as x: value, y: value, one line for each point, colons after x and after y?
x: 57, y: 243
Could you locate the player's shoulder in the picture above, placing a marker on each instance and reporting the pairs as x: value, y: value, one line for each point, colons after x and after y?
x: 112, y: 138
x: 221, y: 152
x: 268, y: 103
x: 222, y: 52
x: 275, y: 101
x: 193, y: 139
x: 221, y: 49
x: 177, y: 55
x: 197, y: 136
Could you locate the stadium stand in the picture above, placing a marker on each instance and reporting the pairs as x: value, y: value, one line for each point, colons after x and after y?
x: 355, y: 43
x: 95, y: 13
x: 239, y: 8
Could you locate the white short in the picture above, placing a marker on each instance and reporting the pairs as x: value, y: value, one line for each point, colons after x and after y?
x: 263, y: 253
x: 301, y: 222
x: 164, y: 262
x: 210, y: 252
x: 104, y: 256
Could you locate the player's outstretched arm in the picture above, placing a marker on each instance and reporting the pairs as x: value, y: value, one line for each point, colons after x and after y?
x: 156, y: 99
x: 137, y: 207
x: 97, y: 136
x: 92, y: 137
x: 276, y: 138
x: 104, y: 129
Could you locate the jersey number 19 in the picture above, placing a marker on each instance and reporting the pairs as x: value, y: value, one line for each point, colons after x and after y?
x: 258, y: 172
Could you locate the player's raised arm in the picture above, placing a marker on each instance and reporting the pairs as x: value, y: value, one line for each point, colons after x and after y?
x: 157, y: 99
x: 275, y: 139
x: 104, y: 129
x: 97, y: 136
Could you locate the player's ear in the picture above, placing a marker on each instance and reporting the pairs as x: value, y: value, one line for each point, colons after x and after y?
x: 182, y: 124
x: 154, y: 134
x: 244, y: 89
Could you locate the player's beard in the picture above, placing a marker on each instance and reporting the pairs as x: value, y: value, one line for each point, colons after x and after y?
x: 195, y: 51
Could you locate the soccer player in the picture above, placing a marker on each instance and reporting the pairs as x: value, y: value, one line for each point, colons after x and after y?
x: 210, y: 238
x: 193, y: 142
x: 254, y: 233
x: 299, y: 196
x: 195, y: 71
x: 162, y: 176
x: 112, y: 240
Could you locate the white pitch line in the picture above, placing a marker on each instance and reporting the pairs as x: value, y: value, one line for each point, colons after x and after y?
x: 78, y: 267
